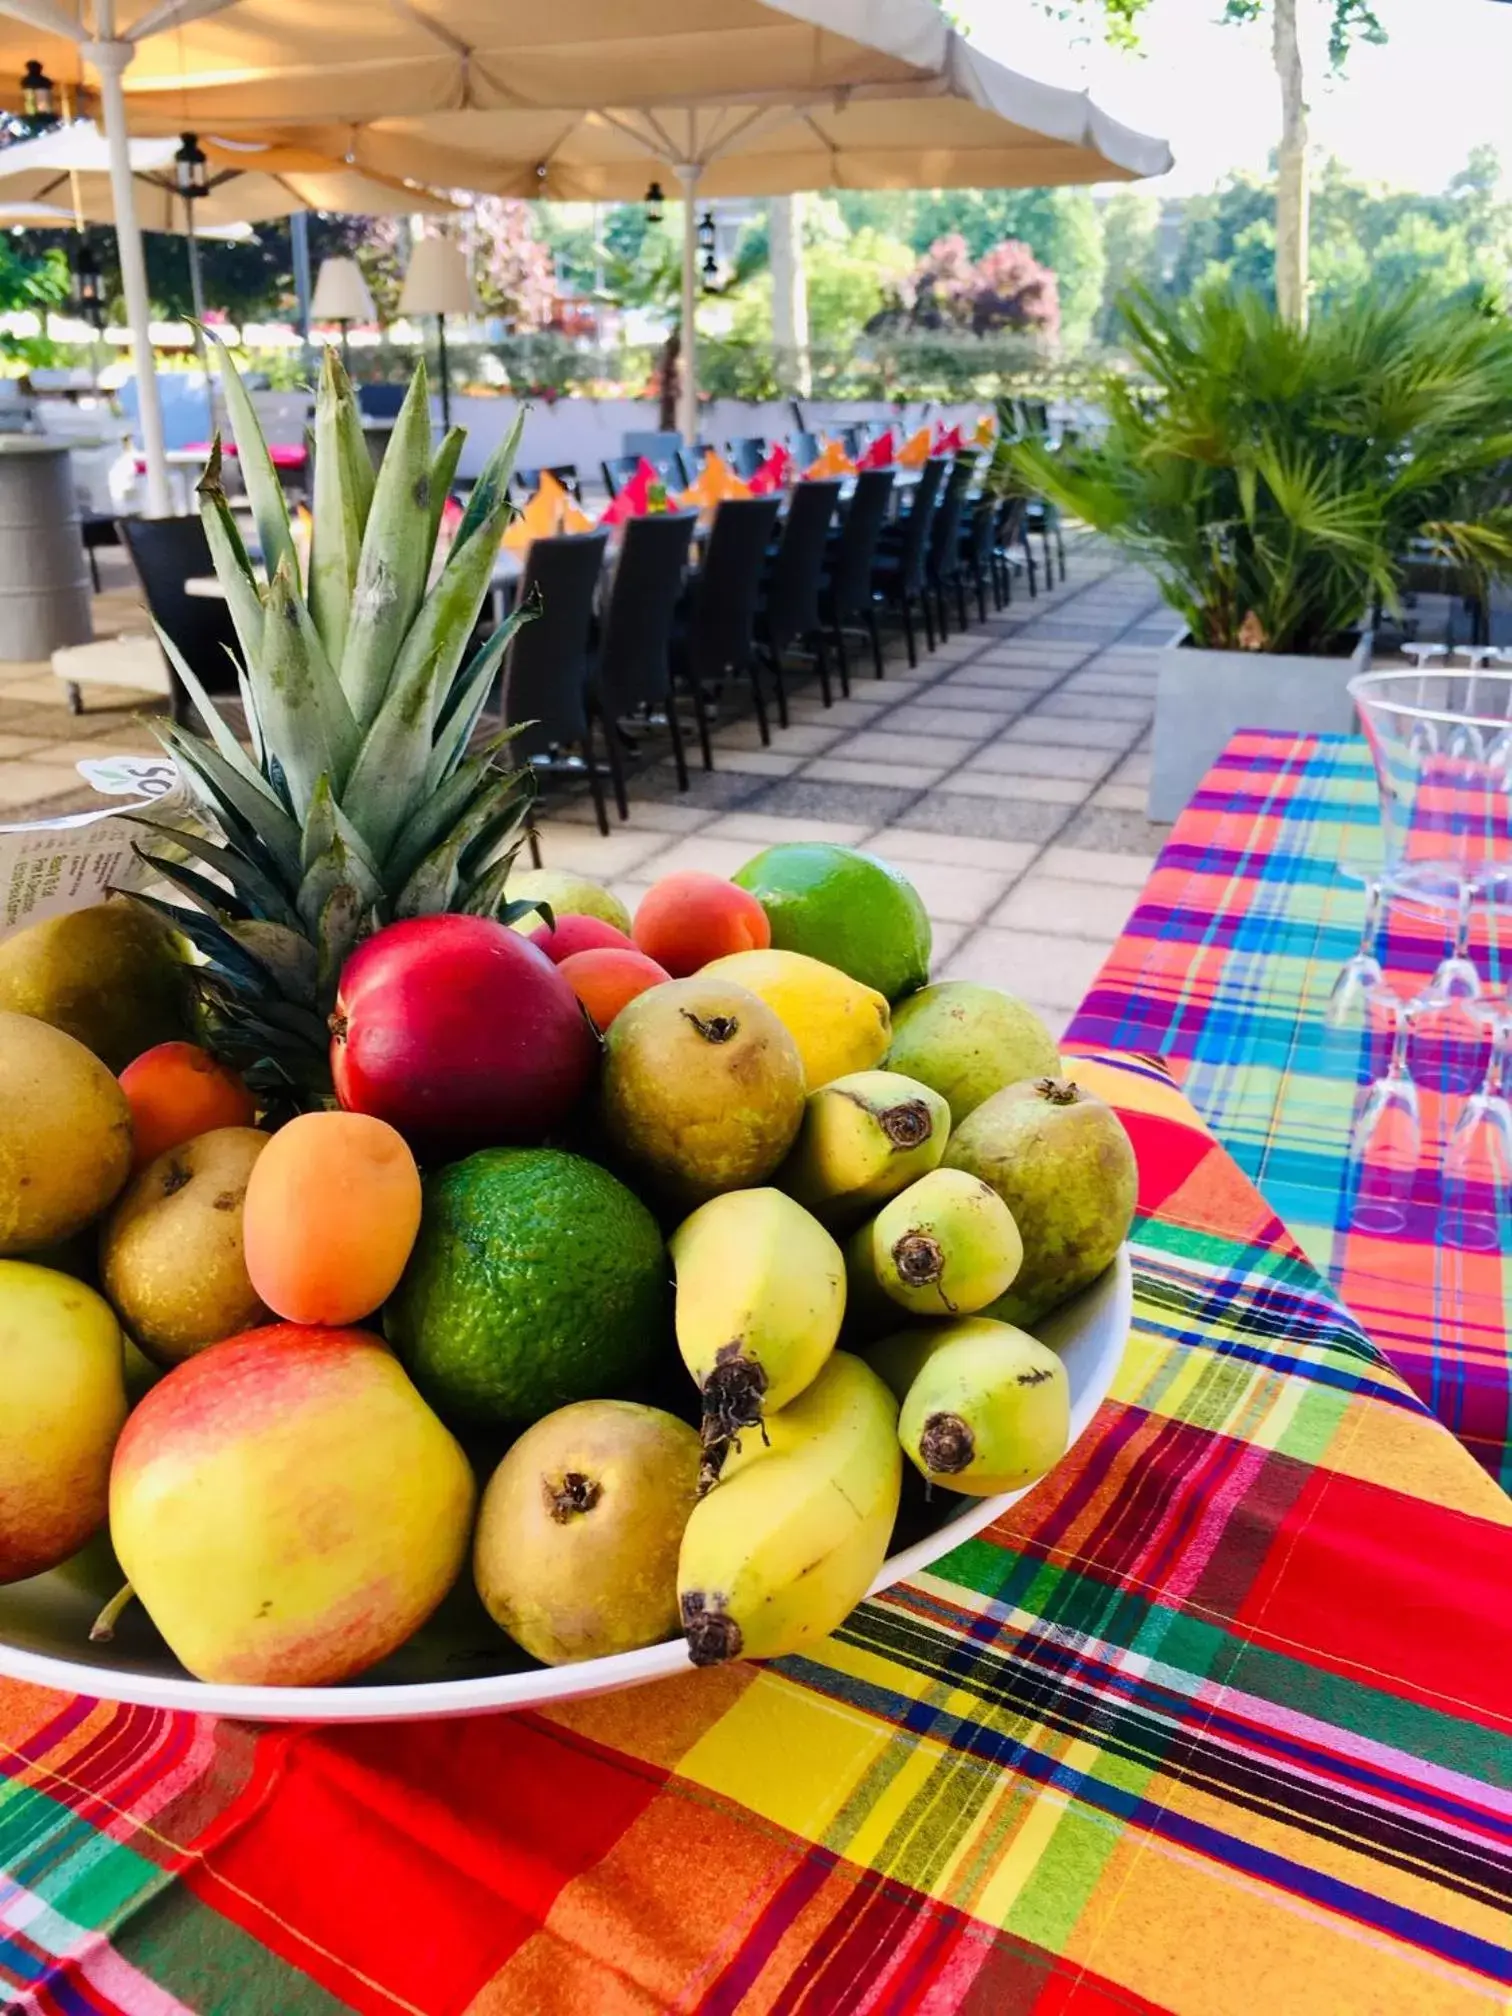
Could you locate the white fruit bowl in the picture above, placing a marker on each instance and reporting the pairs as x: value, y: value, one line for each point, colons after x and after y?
x: 461, y: 1664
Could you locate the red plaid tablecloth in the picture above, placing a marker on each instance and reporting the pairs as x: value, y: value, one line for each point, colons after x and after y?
x: 1224, y: 970
x: 1216, y: 1721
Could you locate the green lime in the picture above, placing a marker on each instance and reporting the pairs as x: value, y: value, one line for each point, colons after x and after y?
x: 537, y: 1278
x: 844, y: 907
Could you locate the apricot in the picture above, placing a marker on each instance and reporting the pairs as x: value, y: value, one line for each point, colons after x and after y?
x: 685, y: 920
x: 177, y: 1091
x: 333, y: 1206
x: 579, y: 934
x: 607, y: 980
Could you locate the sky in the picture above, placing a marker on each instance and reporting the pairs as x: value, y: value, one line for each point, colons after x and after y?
x: 1406, y: 114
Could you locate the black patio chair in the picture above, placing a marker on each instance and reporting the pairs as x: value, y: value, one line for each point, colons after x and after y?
x: 977, y: 535
x: 898, y: 579
x: 942, y: 563
x: 566, y: 473
x: 164, y: 554
x: 380, y: 402
x: 544, y: 679
x: 746, y: 455
x: 1011, y: 531
x: 618, y: 470
x: 788, y: 612
x: 852, y: 440
x: 633, y: 670
x: 845, y: 593
x: 716, y: 639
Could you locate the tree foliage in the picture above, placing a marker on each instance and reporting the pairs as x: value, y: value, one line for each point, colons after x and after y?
x: 1006, y: 288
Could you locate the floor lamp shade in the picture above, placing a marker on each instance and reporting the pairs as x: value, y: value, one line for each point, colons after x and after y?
x: 341, y: 293
x: 437, y: 282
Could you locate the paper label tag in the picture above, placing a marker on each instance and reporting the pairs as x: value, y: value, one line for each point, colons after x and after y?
x: 57, y: 865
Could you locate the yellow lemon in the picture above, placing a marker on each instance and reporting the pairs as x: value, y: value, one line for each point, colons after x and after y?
x: 838, y: 1024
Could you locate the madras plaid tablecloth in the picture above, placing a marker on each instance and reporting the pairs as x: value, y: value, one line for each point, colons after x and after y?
x: 1216, y: 1721
x: 1224, y: 970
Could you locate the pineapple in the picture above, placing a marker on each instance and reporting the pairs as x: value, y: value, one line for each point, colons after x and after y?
x: 361, y: 801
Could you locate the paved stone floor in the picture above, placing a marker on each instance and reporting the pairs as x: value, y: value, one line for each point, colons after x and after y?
x: 1005, y: 776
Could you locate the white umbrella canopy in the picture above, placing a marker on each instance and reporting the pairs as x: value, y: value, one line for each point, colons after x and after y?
x: 69, y: 167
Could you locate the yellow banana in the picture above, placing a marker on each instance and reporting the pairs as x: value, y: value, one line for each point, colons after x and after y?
x: 947, y: 1246
x: 985, y: 1407
x: 760, y: 1297
x: 787, y: 1543
x: 864, y: 1138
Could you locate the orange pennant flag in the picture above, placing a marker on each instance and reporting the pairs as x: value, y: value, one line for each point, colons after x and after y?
x: 542, y: 516
x: 915, y: 450
x: 716, y: 481
x: 985, y: 432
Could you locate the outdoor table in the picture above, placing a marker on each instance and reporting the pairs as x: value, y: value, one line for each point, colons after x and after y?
x: 1214, y: 1721
x: 1224, y: 970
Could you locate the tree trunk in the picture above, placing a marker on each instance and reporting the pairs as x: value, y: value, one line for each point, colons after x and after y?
x: 671, y: 381
x: 1291, y: 177
x: 790, y: 320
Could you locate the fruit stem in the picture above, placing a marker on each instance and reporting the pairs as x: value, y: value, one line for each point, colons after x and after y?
x: 732, y: 1400
x: 1058, y: 1091
x: 946, y: 1444
x: 575, y: 1493
x: 713, y: 1028
x: 103, y: 1628
x: 712, y: 1635
x: 918, y: 1259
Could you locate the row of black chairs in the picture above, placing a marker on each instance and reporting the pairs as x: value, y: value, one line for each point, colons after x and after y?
x: 670, y: 649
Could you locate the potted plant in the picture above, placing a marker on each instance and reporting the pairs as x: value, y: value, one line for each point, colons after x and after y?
x: 1277, y: 482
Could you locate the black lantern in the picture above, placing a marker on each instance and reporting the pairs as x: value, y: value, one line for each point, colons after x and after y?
x: 88, y: 293
x: 707, y: 236
x: 710, y: 270
x: 656, y: 204
x: 39, y: 105
x: 191, y: 169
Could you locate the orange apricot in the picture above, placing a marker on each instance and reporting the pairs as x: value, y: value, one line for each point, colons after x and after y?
x: 606, y: 979
x: 687, y: 919
x: 177, y: 1091
x: 329, y: 1223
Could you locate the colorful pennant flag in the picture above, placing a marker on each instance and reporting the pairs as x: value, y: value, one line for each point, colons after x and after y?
x: 878, y: 454
x: 915, y: 450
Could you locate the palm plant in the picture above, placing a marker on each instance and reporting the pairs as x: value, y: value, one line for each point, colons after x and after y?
x: 1277, y: 481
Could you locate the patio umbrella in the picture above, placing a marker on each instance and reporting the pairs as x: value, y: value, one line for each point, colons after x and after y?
x: 584, y: 99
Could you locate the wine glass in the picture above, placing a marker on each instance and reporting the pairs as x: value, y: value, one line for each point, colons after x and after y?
x: 1456, y: 978
x: 1477, y: 1210
x: 1361, y: 974
x: 1386, y: 1139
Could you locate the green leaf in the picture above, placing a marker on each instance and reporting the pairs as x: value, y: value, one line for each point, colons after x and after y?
x: 209, y: 895
x: 233, y: 569
x: 237, y: 799
x: 270, y: 507
x: 395, y: 558
x: 433, y: 884
x: 220, y: 734
x: 460, y: 716
x: 443, y: 474
x: 213, y: 940
x: 253, y: 884
x: 306, y: 723
x: 339, y: 511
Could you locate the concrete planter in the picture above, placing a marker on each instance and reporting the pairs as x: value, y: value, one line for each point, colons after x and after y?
x: 1204, y: 697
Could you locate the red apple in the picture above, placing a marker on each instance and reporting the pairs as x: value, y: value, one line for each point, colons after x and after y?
x: 287, y: 1507
x: 460, y: 1033
x: 579, y: 934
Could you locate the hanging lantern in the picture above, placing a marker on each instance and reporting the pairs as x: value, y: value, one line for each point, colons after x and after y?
x: 39, y: 105
x: 656, y: 204
x: 707, y: 234
x: 88, y: 292
x: 191, y: 169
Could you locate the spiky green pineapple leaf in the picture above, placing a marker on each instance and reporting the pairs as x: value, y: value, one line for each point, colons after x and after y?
x: 442, y: 476
x: 239, y: 800
x: 336, y: 857
x: 215, y: 722
x: 434, y: 882
x: 338, y: 933
x: 220, y: 951
x: 394, y: 561
x: 483, y: 895
x: 228, y: 555
x: 210, y: 896
x: 307, y: 725
x: 270, y: 507
x: 461, y: 714
x: 340, y: 508
x: 256, y: 888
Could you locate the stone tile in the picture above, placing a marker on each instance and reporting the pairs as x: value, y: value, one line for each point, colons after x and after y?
x: 1089, y: 864
x: 1074, y: 702
x: 1055, y: 970
x: 857, y: 712
x: 924, y: 718
x: 757, y: 762
x: 1088, y: 733
x: 1060, y: 907
x: 1120, y: 797
x: 801, y: 738
x: 981, y: 678
x: 25, y: 783
x: 630, y: 893
x: 20, y: 745
x: 837, y: 770
x: 808, y: 797
x: 981, y: 818
x: 879, y: 745
x: 1133, y: 770
x: 646, y: 815
x: 944, y: 939
x: 714, y: 857
x: 44, y: 690
x: 760, y: 829
x: 1043, y: 790
x: 1038, y: 648
x: 1114, y: 832
x: 1035, y: 759
x: 708, y: 791
x: 953, y: 893
x: 585, y: 850
x: 909, y: 844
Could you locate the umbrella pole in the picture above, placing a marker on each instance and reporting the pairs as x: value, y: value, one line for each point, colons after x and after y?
x: 109, y: 59
x: 197, y: 297
x: 687, y: 397
x: 445, y: 373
